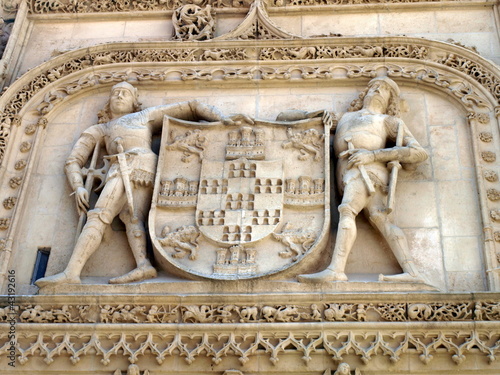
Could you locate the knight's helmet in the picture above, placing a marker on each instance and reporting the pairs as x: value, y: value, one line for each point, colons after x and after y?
x: 126, y: 86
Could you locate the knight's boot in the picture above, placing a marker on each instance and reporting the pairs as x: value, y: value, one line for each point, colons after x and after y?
x: 345, y: 238
x: 142, y: 272
x: 136, y: 235
x: 87, y: 244
x: 325, y: 276
x: 59, y: 278
x: 410, y: 275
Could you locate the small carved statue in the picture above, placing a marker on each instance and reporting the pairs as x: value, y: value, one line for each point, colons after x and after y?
x: 127, y: 137
x: 367, y: 175
x: 344, y: 369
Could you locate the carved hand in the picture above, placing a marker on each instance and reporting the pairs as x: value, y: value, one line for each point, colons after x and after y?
x: 82, y: 200
x: 358, y: 157
x: 330, y: 119
x: 238, y: 120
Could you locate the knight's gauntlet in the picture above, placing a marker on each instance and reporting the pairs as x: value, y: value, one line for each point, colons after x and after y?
x: 74, y: 174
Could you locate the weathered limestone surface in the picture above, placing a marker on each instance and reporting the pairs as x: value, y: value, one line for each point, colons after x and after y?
x: 227, y: 299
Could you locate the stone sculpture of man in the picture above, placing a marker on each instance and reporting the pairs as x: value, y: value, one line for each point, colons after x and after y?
x: 127, y: 138
x: 363, y: 176
x: 343, y: 369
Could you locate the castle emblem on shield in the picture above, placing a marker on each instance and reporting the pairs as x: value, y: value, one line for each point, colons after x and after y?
x: 232, y: 202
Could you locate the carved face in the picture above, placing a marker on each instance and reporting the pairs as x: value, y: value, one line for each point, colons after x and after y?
x: 121, y: 101
x: 343, y: 369
x: 378, y: 94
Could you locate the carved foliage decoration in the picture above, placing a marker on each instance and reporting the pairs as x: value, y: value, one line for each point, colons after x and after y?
x: 82, y: 6
x: 18, y: 99
x: 237, y: 312
x: 193, y: 23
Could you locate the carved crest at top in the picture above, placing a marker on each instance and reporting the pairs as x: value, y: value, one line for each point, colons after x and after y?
x: 257, y: 25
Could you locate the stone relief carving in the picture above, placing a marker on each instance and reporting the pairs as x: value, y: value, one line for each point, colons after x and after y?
x: 12, y: 108
x: 365, y: 345
x: 10, y: 202
x: 4, y: 223
x: 127, y: 191
x: 233, y: 204
x: 183, y: 240
x: 367, y: 172
x: 5, y: 31
x: 308, y: 142
x: 489, y: 156
x: 297, y: 241
x: 486, y: 136
x: 81, y: 6
x: 192, y: 22
x: 132, y: 369
x: 237, y: 312
x: 15, y: 182
x: 342, y: 369
x: 191, y: 143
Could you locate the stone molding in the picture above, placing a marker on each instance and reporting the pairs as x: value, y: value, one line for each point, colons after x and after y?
x: 71, y: 344
x: 39, y: 7
x: 460, y: 327
x: 252, y: 309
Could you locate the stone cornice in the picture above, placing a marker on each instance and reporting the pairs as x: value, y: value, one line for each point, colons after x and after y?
x: 262, y: 308
x: 307, y: 343
x: 108, y: 7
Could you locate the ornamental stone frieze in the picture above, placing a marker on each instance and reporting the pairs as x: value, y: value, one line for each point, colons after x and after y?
x: 256, y: 202
x: 81, y: 6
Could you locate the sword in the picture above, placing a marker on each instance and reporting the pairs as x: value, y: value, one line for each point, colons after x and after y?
x: 90, y: 174
x: 125, y: 172
x: 362, y: 169
x: 394, y: 166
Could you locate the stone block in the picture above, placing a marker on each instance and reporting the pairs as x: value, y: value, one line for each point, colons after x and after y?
x: 98, y: 30
x: 441, y: 112
x: 148, y: 28
x: 415, y: 205
x: 462, y: 254
x: 415, y: 117
x: 458, y: 21
x: 407, y: 22
x: 444, y: 153
x: 346, y: 25
x: 458, y: 208
x: 51, y: 161
x: 467, y: 281
x: 425, y: 249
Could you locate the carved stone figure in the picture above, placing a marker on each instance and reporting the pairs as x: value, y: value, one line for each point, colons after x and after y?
x: 127, y: 138
x: 367, y: 175
x: 345, y: 369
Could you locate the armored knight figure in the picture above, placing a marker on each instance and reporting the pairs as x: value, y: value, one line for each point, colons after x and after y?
x: 367, y: 173
x: 127, y: 137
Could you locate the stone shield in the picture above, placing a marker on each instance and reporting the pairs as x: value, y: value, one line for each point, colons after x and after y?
x: 239, y: 202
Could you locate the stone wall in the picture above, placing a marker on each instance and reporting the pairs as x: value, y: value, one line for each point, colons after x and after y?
x: 58, y: 68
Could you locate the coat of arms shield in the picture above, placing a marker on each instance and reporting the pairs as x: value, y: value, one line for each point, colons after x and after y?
x: 240, y: 202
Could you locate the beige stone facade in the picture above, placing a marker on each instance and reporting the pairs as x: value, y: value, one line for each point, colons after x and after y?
x: 227, y: 297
